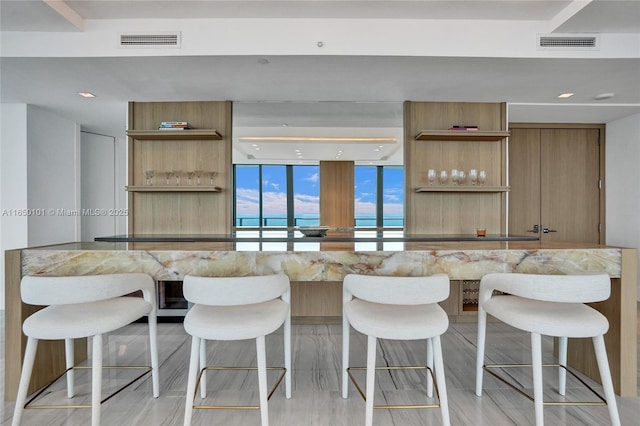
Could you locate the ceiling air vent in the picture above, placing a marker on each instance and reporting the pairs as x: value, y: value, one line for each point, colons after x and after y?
x: 150, y: 40
x: 568, y: 42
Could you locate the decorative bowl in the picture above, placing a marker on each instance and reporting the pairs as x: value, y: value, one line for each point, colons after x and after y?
x: 313, y: 231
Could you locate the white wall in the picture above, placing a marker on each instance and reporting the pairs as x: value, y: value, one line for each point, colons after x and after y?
x: 623, y: 183
x: 98, y: 186
x: 13, y: 181
x: 40, y: 169
x: 53, y: 186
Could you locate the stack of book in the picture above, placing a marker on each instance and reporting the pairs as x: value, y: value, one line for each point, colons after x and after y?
x: 463, y: 128
x: 174, y: 125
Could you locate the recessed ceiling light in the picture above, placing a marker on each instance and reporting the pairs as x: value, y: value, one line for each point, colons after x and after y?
x: 603, y: 96
x: 86, y: 94
x: 565, y: 95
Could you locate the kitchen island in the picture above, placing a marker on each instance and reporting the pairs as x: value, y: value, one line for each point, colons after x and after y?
x: 316, y: 268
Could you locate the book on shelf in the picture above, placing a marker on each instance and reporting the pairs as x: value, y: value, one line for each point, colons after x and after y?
x: 174, y: 125
x: 463, y: 128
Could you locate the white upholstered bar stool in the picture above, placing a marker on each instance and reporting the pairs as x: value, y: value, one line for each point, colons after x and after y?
x: 236, y: 308
x: 79, y: 307
x: 550, y: 305
x: 395, y: 308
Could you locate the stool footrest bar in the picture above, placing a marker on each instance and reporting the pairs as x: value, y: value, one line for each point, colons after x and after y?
x: 393, y: 367
x: 237, y: 407
x: 489, y: 367
x: 147, y: 369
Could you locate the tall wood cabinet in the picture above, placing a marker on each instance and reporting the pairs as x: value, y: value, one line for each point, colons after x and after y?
x: 449, y: 208
x: 180, y: 181
x: 556, y: 174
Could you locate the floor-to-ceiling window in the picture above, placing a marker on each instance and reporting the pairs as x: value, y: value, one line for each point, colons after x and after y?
x: 366, y: 196
x: 392, y: 196
x: 306, y: 195
x: 289, y: 195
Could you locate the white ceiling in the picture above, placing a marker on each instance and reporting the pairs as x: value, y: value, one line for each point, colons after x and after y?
x: 321, y: 68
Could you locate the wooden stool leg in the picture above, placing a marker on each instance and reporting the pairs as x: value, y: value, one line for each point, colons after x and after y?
x: 262, y: 379
x: 371, y: 379
x: 605, y: 378
x: 25, y: 378
x: 562, y: 360
x: 536, y: 363
x: 192, y: 381
x: 96, y: 380
x: 440, y: 380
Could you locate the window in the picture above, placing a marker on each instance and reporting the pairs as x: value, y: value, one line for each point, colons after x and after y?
x: 306, y: 198
x: 365, y: 196
x: 288, y: 195
x: 393, y: 196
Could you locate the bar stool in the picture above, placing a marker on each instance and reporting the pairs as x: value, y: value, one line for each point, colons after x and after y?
x: 550, y: 305
x: 236, y: 308
x: 395, y: 308
x: 78, y: 307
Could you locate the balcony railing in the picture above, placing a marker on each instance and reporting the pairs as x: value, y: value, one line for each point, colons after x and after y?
x: 281, y: 221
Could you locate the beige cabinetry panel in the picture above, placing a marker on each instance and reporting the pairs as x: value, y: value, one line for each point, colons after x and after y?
x: 447, y: 208
x: 337, y: 193
x: 555, y: 178
x: 191, y: 188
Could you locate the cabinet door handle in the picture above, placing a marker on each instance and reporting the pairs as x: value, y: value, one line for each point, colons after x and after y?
x: 547, y: 230
x: 535, y: 229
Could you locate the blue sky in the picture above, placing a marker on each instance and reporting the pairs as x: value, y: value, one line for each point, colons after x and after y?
x: 307, y: 190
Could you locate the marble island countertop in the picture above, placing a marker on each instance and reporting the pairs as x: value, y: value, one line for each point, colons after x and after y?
x: 460, y: 260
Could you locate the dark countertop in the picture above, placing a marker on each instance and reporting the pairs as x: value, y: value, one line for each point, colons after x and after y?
x: 293, y: 235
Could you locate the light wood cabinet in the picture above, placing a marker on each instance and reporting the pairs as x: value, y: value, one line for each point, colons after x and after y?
x: 190, y: 191
x: 447, y: 208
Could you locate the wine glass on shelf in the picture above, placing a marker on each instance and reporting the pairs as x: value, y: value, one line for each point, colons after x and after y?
x: 198, y: 175
x: 190, y: 175
x: 473, y: 176
x: 444, y: 177
x: 482, y: 177
x: 454, y: 176
x: 211, y: 176
x: 461, y: 177
x: 177, y: 174
x: 149, y: 174
x: 431, y: 176
x: 167, y: 177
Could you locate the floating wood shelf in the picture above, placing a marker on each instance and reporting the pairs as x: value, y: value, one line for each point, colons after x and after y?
x: 185, y: 188
x: 462, y: 188
x: 461, y: 135
x: 175, y: 135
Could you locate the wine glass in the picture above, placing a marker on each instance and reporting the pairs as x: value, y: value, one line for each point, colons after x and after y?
x: 482, y: 177
x: 454, y: 176
x: 167, y: 176
x: 211, y: 176
x: 443, y: 177
x: 461, y: 177
x: 198, y: 175
x: 149, y: 176
x: 177, y: 174
x: 190, y: 175
x: 473, y: 176
x: 431, y: 176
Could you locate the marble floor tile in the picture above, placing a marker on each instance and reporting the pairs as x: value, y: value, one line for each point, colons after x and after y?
x: 317, y: 398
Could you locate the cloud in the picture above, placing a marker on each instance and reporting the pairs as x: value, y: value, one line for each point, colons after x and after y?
x: 315, y: 178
